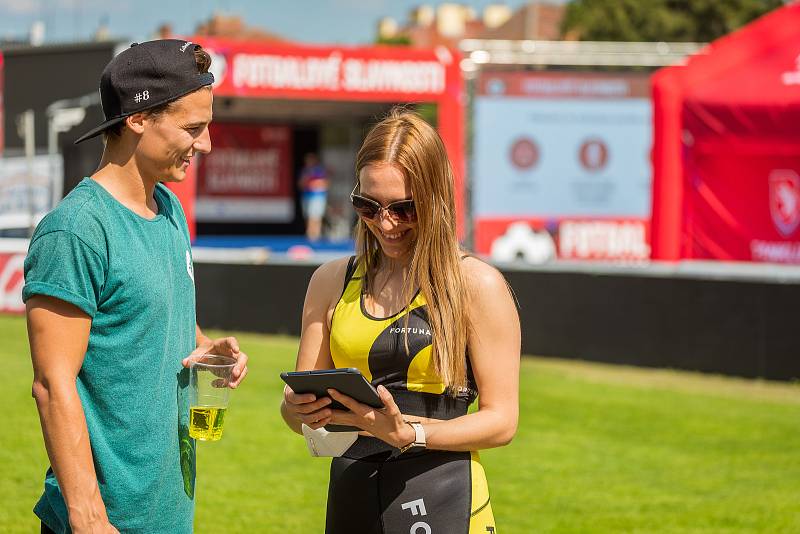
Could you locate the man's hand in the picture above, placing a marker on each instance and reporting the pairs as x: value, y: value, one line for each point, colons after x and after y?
x: 224, y: 346
x: 98, y: 527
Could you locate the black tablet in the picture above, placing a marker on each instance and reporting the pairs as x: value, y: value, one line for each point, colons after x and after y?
x: 347, y: 380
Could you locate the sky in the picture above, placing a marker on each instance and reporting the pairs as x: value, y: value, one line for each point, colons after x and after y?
x: 310, y: 21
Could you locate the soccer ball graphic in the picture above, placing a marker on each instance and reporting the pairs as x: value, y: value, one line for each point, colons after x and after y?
x: 522, y: 242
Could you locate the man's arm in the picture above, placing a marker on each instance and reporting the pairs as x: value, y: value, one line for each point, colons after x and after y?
x: 202, y: 340
x: 58, y: 333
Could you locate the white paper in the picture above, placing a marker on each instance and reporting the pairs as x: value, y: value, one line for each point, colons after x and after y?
x: 320, y: 442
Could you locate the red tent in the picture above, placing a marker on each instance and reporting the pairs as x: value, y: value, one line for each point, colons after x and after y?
x: 726, y: 147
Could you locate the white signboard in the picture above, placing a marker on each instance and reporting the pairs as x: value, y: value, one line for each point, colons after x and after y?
x: 562, y: 157
x: 28, y: 189
x: 556, y: 148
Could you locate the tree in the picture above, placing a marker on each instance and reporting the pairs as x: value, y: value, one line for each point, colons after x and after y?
x: 660, y: 20
x: 398, y: 40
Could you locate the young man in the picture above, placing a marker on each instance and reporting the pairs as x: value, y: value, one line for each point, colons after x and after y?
x: 109, y: 289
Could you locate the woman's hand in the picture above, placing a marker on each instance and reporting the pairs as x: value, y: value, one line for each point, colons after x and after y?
x: 386, y: 424
x: 306, y: 408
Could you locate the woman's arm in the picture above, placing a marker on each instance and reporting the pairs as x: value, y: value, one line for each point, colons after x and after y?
x: 314, y: 352
x: 494, y: 347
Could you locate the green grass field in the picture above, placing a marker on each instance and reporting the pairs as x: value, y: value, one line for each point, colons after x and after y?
x: 599, y: 449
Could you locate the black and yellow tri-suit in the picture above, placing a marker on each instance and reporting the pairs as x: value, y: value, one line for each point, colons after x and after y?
x: 372, y: 488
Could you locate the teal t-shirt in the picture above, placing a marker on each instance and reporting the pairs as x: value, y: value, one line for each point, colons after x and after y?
x: 134, y: 277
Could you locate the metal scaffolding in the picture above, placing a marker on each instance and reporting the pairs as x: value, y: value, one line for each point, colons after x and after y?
x: 480, y: 52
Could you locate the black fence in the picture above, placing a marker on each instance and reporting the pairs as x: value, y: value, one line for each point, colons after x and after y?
x: 744, y: 326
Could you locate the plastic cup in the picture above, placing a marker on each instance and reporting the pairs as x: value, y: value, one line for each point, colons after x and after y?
x: 209, y: 378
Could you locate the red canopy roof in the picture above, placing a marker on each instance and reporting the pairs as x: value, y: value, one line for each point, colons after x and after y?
x: 743, y: 89
x: 758, y: 65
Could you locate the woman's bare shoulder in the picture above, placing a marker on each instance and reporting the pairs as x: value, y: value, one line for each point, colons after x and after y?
x: 328, y: 278
x: 491, y: 299
x: 480, y: 277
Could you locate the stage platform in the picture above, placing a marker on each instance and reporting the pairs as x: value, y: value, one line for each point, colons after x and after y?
x: 277, y: 246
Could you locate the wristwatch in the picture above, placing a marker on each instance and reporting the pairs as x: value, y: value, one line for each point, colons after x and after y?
x: 419, y: 437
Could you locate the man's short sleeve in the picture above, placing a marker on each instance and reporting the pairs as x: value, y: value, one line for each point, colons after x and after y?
x: 59, y: 264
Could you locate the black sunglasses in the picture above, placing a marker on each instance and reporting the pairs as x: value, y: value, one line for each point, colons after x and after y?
x: 402, y: 211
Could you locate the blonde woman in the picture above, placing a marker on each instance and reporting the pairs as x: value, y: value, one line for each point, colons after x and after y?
x: 431, y: 328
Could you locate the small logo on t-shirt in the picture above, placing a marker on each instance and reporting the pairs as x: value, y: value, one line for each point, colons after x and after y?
x: 189, y: 266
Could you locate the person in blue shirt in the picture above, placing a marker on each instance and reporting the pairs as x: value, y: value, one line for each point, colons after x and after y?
x: 313, y: 184
x: 110, y: 303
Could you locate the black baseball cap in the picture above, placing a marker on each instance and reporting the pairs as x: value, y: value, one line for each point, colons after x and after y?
x: 145, y: 76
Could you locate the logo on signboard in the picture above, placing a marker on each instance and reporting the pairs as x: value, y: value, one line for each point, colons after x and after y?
x: 12, y: 280
x: 523, y: 242
x: 524, y: 153
x: 784, y: 200
x: 495, y: 86
x: 792, y: 77
x: 593, y: 155
x: 606, y: 239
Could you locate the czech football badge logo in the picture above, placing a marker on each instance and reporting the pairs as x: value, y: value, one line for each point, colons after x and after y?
x: 784, y: 200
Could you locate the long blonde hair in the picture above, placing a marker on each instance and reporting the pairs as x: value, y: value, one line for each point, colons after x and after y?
x: 404, y: 140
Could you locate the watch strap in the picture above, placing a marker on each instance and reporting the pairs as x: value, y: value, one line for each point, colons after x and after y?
x: 420, y: 441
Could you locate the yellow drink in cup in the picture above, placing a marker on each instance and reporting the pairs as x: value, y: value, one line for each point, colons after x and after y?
x: 209, y: 377
x: 205, y: 422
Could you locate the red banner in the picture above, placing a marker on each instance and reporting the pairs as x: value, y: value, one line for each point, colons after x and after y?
x: 247, y: 177
x: 537, y: 240
x: 564, y: 85
x: 376, y: 73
